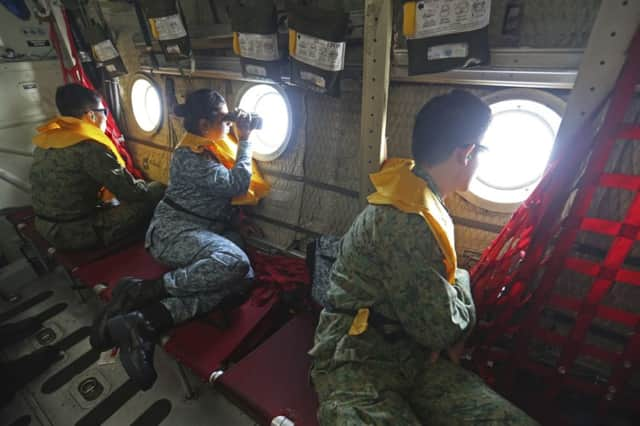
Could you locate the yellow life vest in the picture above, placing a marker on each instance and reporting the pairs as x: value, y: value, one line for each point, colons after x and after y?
x: 225, y: 151
x: 397, y: 185
x: 63, y: 132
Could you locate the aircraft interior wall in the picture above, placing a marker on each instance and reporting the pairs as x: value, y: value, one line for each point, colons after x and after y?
x: 315, y: 182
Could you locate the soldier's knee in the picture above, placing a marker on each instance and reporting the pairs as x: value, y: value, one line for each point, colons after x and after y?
x: 156, y: 192
x: 241, y: 264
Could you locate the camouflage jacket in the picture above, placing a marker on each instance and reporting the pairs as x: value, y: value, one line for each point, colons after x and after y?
x: 389, y: 261
x: 200, y: 184
x: 65, y: 182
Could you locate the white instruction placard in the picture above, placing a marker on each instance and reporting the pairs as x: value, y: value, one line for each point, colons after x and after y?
x: 448, y: 51
x: 442, y: 17
x: 261, y: 47
x: 323, y: 54
x: 105, y: 51
x: 169, y: 27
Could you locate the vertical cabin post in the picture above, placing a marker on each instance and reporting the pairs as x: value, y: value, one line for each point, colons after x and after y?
x: 378, y: 18
x: 602, y: 61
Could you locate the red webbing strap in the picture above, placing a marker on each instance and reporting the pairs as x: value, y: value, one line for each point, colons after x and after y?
x: 607, y: 313
x: 502, y: 268
x: 76, y: 74
x: 626, y: 364
x: 605, y: 141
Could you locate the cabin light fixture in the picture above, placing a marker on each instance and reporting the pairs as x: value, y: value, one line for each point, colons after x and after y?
x: 271, y: 103
x: 146, y: 104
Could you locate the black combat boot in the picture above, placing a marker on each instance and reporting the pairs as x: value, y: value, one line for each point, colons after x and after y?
x: 136, y: 334
x: 129, y: 294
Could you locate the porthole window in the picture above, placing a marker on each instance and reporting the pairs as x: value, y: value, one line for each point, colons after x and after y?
x: 271, y: 104
x: 520, y: 139
x: 146, y: 104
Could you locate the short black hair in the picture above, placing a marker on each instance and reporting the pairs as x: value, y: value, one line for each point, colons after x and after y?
x: 74, y: 100
x: 203, y: 103
x: 448, y: 122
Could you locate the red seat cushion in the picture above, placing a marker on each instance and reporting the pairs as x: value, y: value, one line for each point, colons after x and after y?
x: 24, y: 222
x: 20, y: 214
x: 133, y: 261
x: 204, y: 347
x: 273, y: 380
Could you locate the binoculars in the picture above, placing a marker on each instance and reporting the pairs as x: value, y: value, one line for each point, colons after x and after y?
x: 255, y: 121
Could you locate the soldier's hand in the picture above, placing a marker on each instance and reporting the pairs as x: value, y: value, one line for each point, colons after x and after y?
x: 242, y: 126
x: 456, y: 351
x: 248, y: 229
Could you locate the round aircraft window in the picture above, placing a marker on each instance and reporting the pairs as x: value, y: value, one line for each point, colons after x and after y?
x: 520, y: 139
x: 146, y: 104
x: 271, y: 103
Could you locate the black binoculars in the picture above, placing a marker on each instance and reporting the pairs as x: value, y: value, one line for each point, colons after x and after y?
x: 255, y: 121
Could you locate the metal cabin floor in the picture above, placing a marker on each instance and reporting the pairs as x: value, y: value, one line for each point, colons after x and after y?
x: 54, y: 397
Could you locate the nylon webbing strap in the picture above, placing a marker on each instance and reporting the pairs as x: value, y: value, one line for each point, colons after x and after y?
x: 519, y: 272
x: 75, y: 73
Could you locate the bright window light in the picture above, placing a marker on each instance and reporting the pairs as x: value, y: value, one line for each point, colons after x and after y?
x: 520, y: 140
x: 272, y: 105
x: 146, y: 104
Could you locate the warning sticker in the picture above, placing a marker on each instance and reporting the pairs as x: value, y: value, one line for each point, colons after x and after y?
x: 323, y: 54
x: 441, y: 17
x: 314, y: 79
x: 105, y: 51
x: 256, y: 70
x: 448, y: 51
x: 38, y: 43
x: 173, y: 49
x: 261, y: 47
x: 168, y: 27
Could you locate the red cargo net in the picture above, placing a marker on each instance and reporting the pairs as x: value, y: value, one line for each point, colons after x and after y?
x: 514, y: 281
x: 76, y: 74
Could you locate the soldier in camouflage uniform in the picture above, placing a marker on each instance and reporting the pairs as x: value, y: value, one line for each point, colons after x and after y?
x: 403, y: 368
x: 66, y: 183
x: 190, y: 231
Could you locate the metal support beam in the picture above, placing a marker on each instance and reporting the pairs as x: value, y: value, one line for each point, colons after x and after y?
x: 378, y: 17
x: 612, y: 31
x: 14, y: 180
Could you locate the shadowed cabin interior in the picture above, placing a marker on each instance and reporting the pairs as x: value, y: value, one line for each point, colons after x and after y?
x: 548, y: 228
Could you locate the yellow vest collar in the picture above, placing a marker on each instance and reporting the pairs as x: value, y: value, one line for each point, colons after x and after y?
x: 397, y: 185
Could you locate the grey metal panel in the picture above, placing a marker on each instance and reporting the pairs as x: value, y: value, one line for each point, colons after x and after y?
x: 284, y: 201
x: 331, y: 153
x: 405, y: 100
x: 547, y: 23
x: 28, y: 91
x: 65, y: 406
x: 327, y: 212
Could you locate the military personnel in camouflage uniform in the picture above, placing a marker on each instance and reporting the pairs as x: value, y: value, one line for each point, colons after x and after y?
x: 65, y: 184
x: 191, y: 231
x: 403, y: 369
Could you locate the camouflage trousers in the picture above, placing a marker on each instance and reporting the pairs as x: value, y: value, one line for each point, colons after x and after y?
x: 106, y: 226
x: 441, y: 394
x: 210, y: 267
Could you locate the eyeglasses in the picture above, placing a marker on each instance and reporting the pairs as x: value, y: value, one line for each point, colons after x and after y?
x: 102, y: 110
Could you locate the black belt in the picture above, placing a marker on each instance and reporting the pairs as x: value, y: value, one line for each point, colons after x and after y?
x: 168, y: 201
x: 68, y: 220
x: 377, y: 321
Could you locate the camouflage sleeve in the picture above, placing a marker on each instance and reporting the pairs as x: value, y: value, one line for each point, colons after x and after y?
x: 435, y: 313
x: 235, y: 181
x: 102, y: 166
